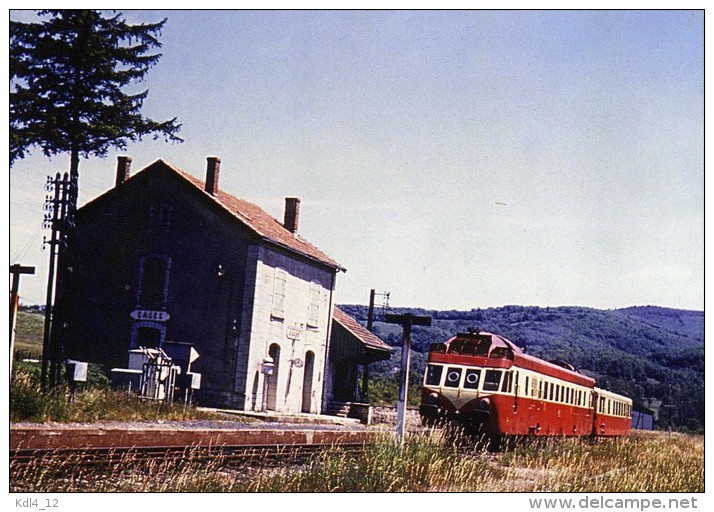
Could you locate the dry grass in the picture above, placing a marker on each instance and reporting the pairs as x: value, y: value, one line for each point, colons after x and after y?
x: 126, y: 473
x: 641, y: 462
x: 638, y: 463
x: 28, y: 403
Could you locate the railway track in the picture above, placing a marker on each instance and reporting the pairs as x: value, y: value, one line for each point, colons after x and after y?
x: 227, y: 454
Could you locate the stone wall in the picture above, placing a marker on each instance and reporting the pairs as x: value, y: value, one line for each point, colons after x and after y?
x: 388, y: 416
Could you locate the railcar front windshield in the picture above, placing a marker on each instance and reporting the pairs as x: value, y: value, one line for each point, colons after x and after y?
x: 492, y: 380
x: 472, y: 379
x: 453, y: 377
x: 433, y: 375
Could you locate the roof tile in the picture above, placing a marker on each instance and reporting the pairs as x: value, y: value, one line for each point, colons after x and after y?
x: 259, y: 221
x: 358, y: 330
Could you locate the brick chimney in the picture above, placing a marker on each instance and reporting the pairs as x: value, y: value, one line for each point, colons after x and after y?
x: 292, y: 211
x: 123, y: 169
x: 212, y: 170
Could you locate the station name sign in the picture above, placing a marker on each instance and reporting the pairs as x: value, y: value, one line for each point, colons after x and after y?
x: 147, y: 314
x: 293, y: 333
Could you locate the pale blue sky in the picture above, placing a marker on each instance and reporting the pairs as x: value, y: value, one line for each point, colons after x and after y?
x: 458, y: 159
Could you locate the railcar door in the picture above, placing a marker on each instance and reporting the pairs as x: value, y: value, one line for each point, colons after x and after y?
x: 595, y: 404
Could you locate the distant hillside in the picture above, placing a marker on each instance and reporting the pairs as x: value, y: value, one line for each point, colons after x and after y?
x: 690, y: 323
x: 28, y: 333
x: 653, y: 355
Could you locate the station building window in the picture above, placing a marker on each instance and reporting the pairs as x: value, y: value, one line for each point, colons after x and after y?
x: 154, y: 273
x: 160, y: 215
x: 314, y: 308
x: 279, y: 286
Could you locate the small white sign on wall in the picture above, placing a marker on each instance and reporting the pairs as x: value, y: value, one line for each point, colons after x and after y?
x: 294, y: 333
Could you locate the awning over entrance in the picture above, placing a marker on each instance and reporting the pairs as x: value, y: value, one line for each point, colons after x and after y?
x: 352, y: 349
x: 350, y: 340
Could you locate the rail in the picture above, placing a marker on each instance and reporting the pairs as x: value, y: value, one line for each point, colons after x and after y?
x: 227, y: 454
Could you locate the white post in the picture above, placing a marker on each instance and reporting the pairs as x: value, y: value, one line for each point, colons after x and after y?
x: 406, y: 321
x: 404, y: 383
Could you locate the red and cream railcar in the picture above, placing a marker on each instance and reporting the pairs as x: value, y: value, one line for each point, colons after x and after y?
x: 491, y: 386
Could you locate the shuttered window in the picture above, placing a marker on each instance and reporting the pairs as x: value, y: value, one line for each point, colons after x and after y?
x: 279, y: 286
x: 314, y: 308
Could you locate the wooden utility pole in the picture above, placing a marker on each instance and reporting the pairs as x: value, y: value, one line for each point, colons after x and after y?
x: 59, y: 218
x: 407, y: 321
x: 370, y: 321
x: 15, y: 270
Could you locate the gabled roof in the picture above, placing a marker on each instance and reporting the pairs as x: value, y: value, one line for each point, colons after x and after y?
x: 359, y: 332
x: 253, y: 217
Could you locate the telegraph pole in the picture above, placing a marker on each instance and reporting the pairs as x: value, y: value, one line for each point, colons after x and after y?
x: 68, y: 205
x: 407, y: 321
x: 51, y: 222
x: 59, y: 218
x: 370, y: 321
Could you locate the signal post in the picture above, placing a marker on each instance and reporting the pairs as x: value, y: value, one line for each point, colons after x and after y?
x: 406, y: 321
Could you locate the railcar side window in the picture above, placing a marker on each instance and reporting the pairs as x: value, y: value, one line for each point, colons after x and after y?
x: 433, y: 375
x: 506, y: 386
x: 472, y: 379
x: 526, y: 389
x: 453, y: 377
x: 492, y: 380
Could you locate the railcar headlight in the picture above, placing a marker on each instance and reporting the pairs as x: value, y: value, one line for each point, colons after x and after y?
x: 432, y: 398
x: 484, y: 404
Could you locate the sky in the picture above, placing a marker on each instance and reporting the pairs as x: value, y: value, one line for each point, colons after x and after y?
x: 455, y: 159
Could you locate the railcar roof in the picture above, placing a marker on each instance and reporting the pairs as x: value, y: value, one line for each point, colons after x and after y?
x: 610, y: 394
x: 521, y: 359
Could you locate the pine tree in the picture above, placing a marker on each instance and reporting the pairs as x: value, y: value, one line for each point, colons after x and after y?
x: 67, y: 77
x: 68, y: 73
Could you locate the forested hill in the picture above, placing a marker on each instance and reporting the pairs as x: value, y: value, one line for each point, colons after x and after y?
x: 653, y: 355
